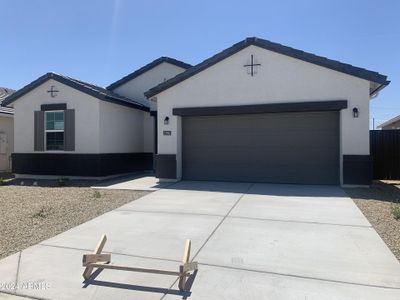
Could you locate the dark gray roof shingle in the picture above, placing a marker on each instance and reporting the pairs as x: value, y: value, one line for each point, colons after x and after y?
x: 268, y: 45
x: 87, y: 88
x: 146, y: 68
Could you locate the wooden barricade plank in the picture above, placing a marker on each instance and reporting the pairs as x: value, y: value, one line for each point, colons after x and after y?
x: 88, y: 270
x: 99, y: 260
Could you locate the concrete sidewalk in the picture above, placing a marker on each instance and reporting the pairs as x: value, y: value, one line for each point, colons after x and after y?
x: 252, y: 241
x: 135, y: 182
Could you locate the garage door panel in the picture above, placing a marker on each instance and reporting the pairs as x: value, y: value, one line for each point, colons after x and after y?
x: 274, y: 173
x: 278, y: 147
x: 257, y: 156
x: 263, y: 138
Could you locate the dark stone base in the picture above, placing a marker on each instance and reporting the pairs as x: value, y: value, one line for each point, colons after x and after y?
x: 165, y: 165
x: 91, y: 165
x: 357, y: 169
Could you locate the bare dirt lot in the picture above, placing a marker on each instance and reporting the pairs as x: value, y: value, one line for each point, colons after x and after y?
x: 377, y: 203
x: 31, y: 214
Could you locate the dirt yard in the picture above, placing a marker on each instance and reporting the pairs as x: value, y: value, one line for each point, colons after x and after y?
x: 31, y: 214
x: 377, y: 203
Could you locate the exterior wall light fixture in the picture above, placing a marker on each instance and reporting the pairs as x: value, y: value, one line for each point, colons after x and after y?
x: 166, y: 121
x: 355, y: 112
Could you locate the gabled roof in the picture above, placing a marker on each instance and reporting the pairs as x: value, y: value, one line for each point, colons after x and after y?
x: 5, y: 92
x: 268, y: 45
x: 148, y: 67
x: 393, y: 120
x: 84, y: 87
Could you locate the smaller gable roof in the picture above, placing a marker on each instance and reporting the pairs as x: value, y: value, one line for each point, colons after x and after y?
x: 148, y: 67
x: 275, y: 47
x: 84, y: 87
x: 4, y: 93
x: 391, y: 121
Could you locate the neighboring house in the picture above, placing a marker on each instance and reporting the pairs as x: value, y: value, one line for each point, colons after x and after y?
x: 393, y: 123
x: 256, y: 112
x: 66, y: 127
x: 263, y: 112
x: 6, y: 132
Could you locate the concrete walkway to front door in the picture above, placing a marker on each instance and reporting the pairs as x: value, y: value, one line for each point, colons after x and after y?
x: 252, y: 241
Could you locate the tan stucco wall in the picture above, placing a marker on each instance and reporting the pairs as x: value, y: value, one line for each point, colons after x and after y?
x: 100, y: 126
x: 279, y: 79
x: 136, y: 87
x: 7, y: 128
x: 394, y: 125
x: 121, y: 128
x: 86, y: 117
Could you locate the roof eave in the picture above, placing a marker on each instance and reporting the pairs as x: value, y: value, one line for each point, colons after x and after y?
x: 148, y: 67
x: 278, y: 48
x: 379, y: 88
x: 96, y: 94
x: 126, y: 103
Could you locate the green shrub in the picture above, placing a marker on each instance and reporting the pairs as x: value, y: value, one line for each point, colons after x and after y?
x: 396, y: 211
x: 62, y: 181
x: 96, y: 194
x: 1, y: 181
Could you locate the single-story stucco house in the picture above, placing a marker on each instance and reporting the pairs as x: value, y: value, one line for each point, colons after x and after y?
x: 393, y: 123
x: 6, y: 132
x: 66, y: 127
x: 257, y: 111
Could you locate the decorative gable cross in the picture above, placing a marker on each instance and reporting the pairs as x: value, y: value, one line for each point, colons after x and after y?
x: 52, y: 92
x: 252, y: 66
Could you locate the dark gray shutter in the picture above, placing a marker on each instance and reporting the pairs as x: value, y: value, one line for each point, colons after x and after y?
x: 39, y: 131
x: 69, y: 130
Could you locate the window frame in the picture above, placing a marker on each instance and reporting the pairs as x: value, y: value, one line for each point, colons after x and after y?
x: 53, y: 130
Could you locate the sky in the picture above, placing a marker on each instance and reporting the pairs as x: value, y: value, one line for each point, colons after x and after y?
x: 99, y: 41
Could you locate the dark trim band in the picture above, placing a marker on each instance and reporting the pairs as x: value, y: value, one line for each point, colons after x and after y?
x: 357, y: 169
x: 261, y: 108
x: 91, y: 165
x: 55, y: 106
x: 165, y: 166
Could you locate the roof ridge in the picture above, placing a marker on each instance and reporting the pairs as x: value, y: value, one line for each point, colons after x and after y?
x: 392, y: 120
x: 314, y: 55
x: 275, y: 47
x: 85, y: 87
x: 146, y: 68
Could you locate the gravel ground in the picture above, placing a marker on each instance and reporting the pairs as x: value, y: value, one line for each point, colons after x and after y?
x: 376, y: 204
x: 31, y: 214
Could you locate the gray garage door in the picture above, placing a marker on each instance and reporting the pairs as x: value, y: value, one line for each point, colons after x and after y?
x: 274, y: 147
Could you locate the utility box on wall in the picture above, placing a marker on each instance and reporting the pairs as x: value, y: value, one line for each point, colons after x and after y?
x: 3, y: 143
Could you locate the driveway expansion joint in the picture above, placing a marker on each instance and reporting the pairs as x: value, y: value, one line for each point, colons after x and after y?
x: 170, y: 212
x: 223, y: 219
x: 22, y: 295
x: 298, y: 221
x: 212, y: 233
x: 299, y: 276
x: 110, y: 252
x: 18, y: 267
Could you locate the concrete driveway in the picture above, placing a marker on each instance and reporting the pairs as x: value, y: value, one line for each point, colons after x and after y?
x: 252, y: 241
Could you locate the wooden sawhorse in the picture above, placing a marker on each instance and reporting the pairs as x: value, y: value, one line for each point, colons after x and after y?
x: 99, y: 260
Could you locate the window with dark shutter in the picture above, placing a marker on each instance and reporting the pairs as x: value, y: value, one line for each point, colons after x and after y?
x: 69, y: 130
x: 54, y: 130
x: 39, y: 131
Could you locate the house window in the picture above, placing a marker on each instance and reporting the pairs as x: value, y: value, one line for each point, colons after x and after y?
x: 54, y: 130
